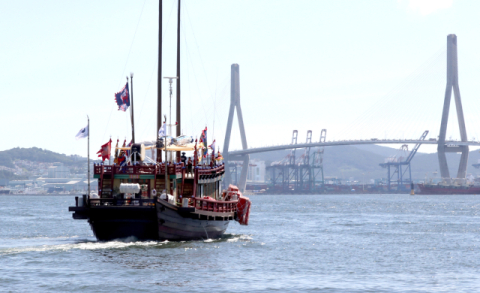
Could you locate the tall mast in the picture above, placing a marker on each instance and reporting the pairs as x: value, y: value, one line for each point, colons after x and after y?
x: 159, y: 78
x: 178, y: 76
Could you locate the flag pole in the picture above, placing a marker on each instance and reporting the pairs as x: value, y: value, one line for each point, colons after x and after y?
x: 131, y: 100
x: 110, y: 151
x: 167, y: 178
x: 88, y: 154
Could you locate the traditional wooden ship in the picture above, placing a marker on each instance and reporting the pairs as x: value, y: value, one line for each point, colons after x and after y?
x: 194, y: 209
x: 161, y: 200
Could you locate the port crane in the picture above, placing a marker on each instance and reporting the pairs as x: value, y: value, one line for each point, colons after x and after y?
x: 402, y: 166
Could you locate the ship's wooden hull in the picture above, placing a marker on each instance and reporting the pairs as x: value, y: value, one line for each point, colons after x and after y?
x: 110, y: 222
x: 177, y: 224
x: 162, y: 221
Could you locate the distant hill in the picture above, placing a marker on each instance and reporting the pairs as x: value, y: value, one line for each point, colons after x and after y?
x: 10, y: 176
x: 383, y: 151
x: 339, y: 161
x: 35, y: 155
x: 424, y: 165
x: 360, y: 162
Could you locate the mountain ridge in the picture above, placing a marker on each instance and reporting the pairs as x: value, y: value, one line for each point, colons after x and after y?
x: 360, y: 162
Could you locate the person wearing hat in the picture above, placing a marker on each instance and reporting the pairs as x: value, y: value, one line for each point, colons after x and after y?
x: 183, y: 158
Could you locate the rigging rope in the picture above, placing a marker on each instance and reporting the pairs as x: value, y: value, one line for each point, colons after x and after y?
x: 155, y: 67
x: 126, y: 62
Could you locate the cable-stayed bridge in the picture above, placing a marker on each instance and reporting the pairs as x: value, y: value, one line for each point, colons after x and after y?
x: 443, y: 145
x: 450, y: 143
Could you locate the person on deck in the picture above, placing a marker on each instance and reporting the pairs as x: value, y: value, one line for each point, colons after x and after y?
x: 183, y: 158
x: 190, y: 165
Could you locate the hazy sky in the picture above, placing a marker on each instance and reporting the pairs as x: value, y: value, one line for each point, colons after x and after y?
x: 360, y: 69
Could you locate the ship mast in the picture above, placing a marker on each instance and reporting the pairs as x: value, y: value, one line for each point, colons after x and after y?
x: 159, y: 78
x: 178, y: 77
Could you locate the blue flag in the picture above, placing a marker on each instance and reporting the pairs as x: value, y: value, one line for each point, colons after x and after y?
x: 123, y: 98
x: 129, y: 145
x: 203, y: 139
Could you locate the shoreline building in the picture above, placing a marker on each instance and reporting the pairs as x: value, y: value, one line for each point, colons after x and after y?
x: 59, y: 179
x: 256, y: 171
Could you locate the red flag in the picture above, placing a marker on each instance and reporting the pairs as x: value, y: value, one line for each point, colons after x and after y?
x: 121, y: 154
x: 104, y: 152
x: 219, y: 156
x: 116, y: 152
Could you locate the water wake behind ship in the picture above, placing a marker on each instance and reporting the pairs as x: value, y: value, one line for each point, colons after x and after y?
x: 51, y: 244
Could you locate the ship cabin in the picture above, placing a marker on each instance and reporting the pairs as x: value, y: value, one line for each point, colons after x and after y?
x: 186, y: 186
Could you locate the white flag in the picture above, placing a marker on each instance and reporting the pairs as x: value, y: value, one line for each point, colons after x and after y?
x: 82, y: 133
x: 212, y: 146
x: 162, y: 131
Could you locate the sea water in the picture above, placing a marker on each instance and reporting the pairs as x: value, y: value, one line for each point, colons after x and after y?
x: 294, y: 243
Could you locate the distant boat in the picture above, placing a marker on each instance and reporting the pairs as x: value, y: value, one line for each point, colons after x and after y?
x: 449, y: 186
x: 4, y: 191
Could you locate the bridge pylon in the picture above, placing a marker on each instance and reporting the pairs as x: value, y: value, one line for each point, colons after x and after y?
x: 235, y: 104
x: 452, y: 83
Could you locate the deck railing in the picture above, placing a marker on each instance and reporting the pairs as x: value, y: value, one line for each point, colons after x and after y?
x: 137, y: 170
x: 199, y: 203
x: 208, y: 170
x: 214, y: 205
x: 150, y: 169
x: 121, y: 202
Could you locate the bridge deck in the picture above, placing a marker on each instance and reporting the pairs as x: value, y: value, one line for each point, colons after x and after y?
x: 450, y: 143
